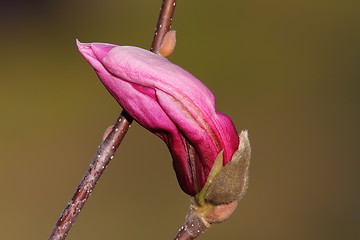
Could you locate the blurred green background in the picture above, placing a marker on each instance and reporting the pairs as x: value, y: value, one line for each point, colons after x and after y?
x: 287, y: 71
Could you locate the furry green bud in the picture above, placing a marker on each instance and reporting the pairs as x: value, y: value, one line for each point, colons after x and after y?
x: 231, y: 182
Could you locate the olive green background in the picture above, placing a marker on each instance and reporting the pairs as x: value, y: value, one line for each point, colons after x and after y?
x: 288, y: 71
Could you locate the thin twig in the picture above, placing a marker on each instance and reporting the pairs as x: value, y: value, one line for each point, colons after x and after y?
x: 164, y: 23
x: 109, y: 146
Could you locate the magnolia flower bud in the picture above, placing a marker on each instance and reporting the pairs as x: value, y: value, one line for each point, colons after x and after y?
x: 174, y: 105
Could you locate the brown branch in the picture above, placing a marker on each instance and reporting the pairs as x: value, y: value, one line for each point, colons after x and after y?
x: 164, y: 23
x: 101, y: 159
x: 109, y: 146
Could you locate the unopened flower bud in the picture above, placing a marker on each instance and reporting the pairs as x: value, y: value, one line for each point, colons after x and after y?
x: 170, y: 102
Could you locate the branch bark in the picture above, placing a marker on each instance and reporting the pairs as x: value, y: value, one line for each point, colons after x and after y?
x: 109, y: 146
x: 100, y: 161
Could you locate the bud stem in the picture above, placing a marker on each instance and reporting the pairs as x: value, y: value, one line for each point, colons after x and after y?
x: 202, y: 217
x: 192, y: 228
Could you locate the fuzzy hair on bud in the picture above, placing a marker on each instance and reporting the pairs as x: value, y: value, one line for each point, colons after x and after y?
x: 232, y: 181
